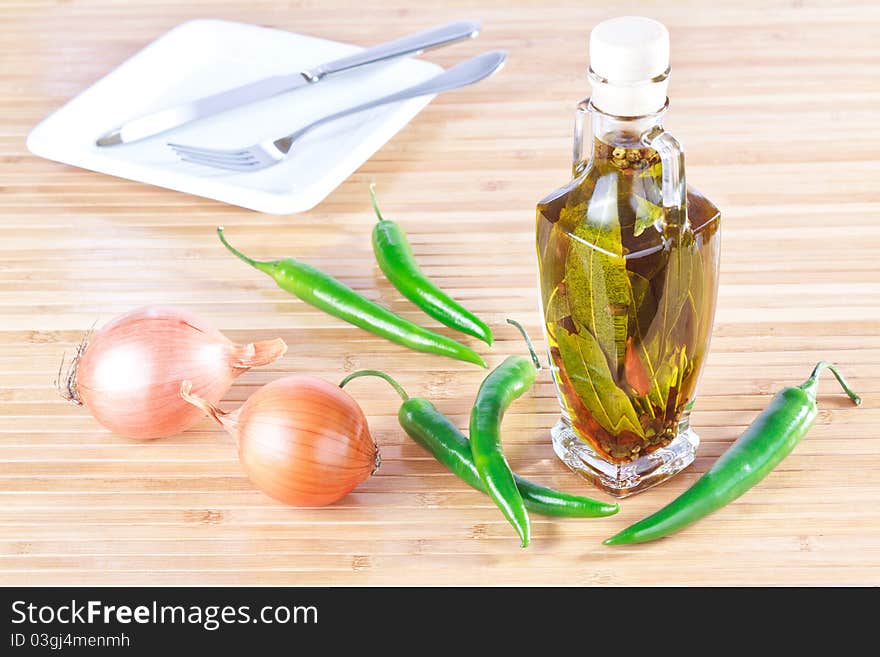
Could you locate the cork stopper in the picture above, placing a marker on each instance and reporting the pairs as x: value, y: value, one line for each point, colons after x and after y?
x: 629, y: 66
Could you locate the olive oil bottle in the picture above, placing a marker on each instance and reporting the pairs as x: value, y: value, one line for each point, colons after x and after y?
x: 628, y: 268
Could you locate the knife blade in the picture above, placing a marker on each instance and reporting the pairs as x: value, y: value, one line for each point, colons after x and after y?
x: 167, y: 119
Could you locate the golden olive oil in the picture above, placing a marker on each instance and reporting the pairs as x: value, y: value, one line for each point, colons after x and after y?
x: 628, y: 298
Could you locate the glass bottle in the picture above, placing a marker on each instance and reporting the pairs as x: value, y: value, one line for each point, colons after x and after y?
x: 628, y: 273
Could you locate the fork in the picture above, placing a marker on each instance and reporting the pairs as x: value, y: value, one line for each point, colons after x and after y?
x: 270, y: 152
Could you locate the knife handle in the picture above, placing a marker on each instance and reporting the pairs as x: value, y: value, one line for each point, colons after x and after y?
x: 408, y: 45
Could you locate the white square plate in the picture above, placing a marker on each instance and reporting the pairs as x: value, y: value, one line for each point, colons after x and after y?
x: 206, y: 56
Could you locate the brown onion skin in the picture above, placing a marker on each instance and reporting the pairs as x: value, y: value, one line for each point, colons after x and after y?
x: 313, y: 457
x: 130, y: 373
x: 302, y: 440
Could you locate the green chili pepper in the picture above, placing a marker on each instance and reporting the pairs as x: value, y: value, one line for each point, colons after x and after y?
x: 396, y: 260
x: 504, y: 384
x: 435, y: 432
x: 767, y: 441
x: 330, y: 295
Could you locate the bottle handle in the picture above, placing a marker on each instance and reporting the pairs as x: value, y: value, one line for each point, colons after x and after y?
x: 672, y: 178
x: 578, y: 157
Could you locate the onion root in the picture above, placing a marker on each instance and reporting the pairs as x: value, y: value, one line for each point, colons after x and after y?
x: 65, y: 382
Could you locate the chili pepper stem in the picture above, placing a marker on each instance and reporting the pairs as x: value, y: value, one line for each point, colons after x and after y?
x: 382, y: 375
x: 811, y: 385
x: 375, y: 203
x: 262, y: 265
x: 525, y: 335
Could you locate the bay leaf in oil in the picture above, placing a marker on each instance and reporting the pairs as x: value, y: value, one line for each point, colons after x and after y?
x: 557, y: 314
x: 588, y: 371
x: 552, y: 244
x: 671, y: 332
x: 648, y: 185
x: 690, y: 328
x: 666, y: 378
x: 699, y: 324
x: 647, y: 215
x: 653, y: 171
x: 556, y: 307
x: 644, y: 305
x: 595, y: 271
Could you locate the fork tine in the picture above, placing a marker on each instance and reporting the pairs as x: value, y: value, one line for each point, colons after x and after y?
x: 209, y: 151
x: 218, y: 156
x: 220, y: 159
x: 229, y: 166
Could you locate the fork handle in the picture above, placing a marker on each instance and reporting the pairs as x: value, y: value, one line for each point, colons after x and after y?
x: 467, y: 72
x: 408, y: 45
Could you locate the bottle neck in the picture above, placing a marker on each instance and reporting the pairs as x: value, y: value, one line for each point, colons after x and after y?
x: 628, y: 145
x: 603, y: 138
x: 623, y: 131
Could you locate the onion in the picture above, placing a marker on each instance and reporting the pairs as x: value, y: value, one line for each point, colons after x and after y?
x: 128, y: 374
x: 301, y: 439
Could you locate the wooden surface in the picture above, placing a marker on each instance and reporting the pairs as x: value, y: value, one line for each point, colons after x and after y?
x: 776, y: 103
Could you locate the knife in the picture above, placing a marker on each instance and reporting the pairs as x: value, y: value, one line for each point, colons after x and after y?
x: 174, y: 117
